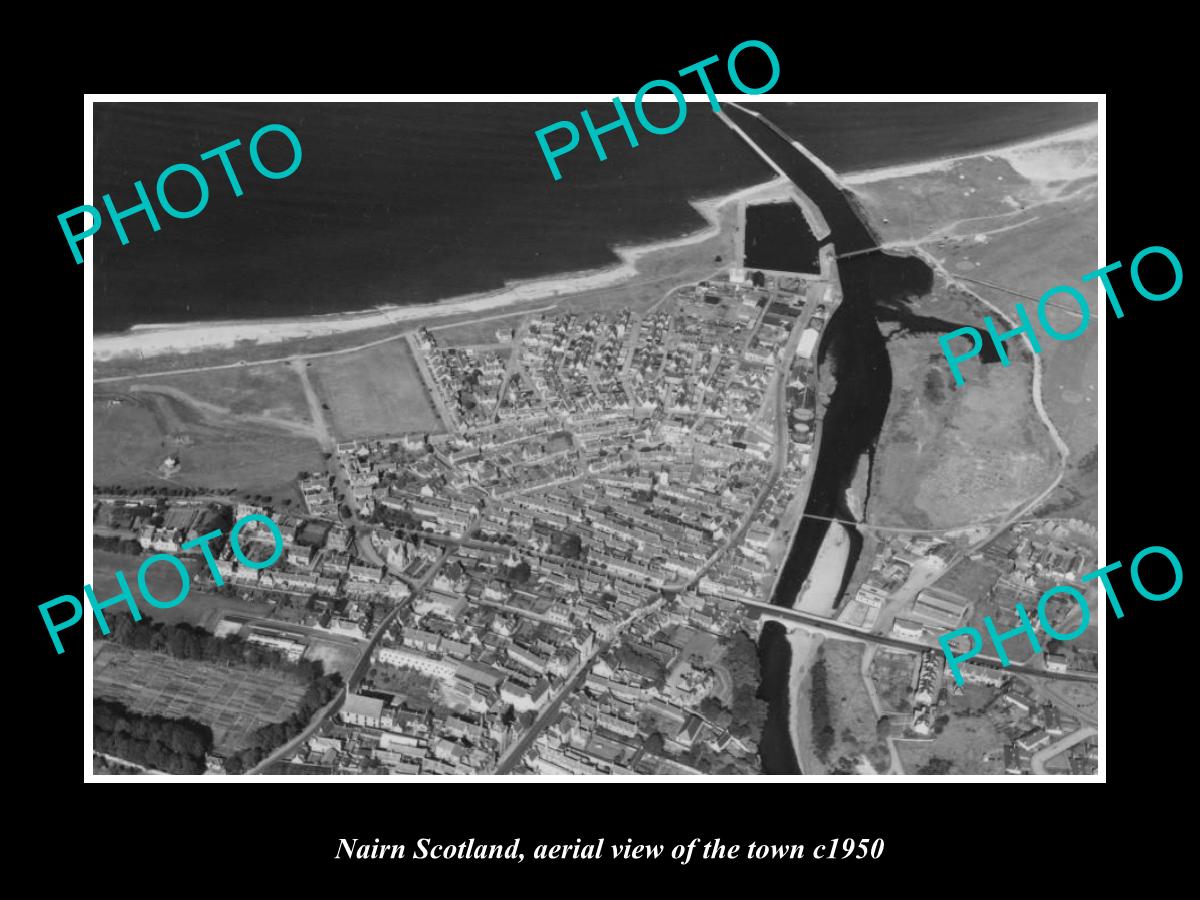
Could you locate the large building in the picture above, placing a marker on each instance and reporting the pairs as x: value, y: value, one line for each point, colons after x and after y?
x: 360, y: 710
x: 937, y: 607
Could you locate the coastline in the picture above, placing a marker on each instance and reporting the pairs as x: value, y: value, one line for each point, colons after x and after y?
x: 1086, y: 131
x: 158, y: 339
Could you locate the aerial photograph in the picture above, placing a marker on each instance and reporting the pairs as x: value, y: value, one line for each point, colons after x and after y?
x: 657, y: 468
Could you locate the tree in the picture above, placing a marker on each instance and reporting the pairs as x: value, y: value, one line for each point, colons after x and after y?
x: 654, y: 743
x: 935, y: 766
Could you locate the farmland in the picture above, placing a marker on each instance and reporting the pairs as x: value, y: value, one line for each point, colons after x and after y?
x: 232, y: 701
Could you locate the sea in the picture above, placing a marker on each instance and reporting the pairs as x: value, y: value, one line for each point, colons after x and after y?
x: 402, y: 203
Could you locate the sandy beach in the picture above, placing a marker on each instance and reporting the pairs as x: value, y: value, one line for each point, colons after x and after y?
x: 821, y: 590
x: 1027, y: 157
x: 154, y: 340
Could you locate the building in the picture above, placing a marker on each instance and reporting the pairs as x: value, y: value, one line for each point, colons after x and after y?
x: 287, y: 644
x: 906, y: 628
x: 404, y: 658
x: 941, y: 608
x: 360, y: 710
x: 1056, y: 662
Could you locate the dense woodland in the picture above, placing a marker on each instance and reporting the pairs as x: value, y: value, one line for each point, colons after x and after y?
x: 176, y: 746
x: 822, y: 726
x: 748, y: 713
x: 185, y: 641
x: 164, y: 744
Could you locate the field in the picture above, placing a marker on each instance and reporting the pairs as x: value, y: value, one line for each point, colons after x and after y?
x: 964, y: 742
x: 952, y: 456
x: 233, y: 702
x: 135, y: 432
x: 893, y: 677
x: 272, y: 391
x: 374, y: 392
x: 472, y: 333
x: 1021, y: 225
x: 853, y: 717
x: 199, y: 608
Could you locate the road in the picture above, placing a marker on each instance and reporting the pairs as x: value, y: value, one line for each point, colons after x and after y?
x: 1044, y: 755
x: 513, y: 754
x: 783, y: 371
x: 830, y: 627
x: 331, y: 708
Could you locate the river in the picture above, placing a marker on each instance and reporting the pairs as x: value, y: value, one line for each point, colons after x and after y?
x: 874, y: 286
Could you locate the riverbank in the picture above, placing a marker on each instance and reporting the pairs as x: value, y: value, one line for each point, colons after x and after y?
x: 144, y: 341
x: 804, y: 646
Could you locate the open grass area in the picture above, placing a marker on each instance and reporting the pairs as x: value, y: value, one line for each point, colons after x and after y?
x: 1057, y: 249
x: 374, y: 392
x: 134, y: 433
x: 851, y: 714
x: 893, y: 673
x: 198, y: 608
x: 1025, y: 225
x: 954, y: 456
x: 232, y: 701
x: 470, y: 333
x: 273, y: 391
x: 964, y: 742
x: 972, y: 189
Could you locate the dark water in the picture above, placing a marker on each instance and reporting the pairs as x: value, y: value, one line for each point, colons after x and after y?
x: 778, y: 237
x: 408, y: 203
x: 855, y: 136
x: 392, y: 203
x: 855, y: 350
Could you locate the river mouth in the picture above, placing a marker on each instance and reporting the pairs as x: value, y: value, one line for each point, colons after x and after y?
x: 875, y: 287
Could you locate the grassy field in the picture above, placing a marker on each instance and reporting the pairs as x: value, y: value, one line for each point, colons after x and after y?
x: 893, y: 675
x: 1057, y: 249
x: 468, y: 333
x: 964, y: 742
x: 233, y: 702
x: 133, y: 436
x: 953, y: 456
x: 374, y: 392
x: 974, y: 189
x: 853, y: 717
x: 985, y: 221
x: 198, y: 608
x: 273, y: 391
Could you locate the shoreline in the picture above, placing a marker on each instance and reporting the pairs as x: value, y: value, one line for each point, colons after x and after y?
x: 158, y: 339
x: 165, y: 338
x: 863, y: 176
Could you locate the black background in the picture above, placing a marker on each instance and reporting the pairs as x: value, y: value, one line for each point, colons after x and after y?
x: 971, y: 835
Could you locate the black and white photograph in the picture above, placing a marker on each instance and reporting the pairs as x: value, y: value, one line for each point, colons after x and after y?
x: 490, y: 437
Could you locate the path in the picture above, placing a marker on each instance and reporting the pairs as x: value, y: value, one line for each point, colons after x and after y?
x: 1044, y: 755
